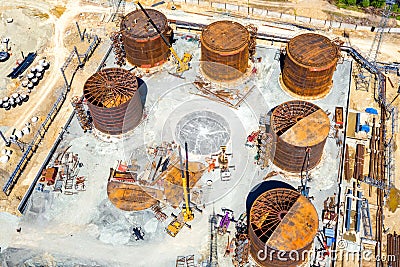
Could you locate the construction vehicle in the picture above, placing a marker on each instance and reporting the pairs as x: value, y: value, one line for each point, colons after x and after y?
x: 176, y: 225
x: 182, y: 64
x: 223, y: 160
x: 186, y: 214
x: 227, y: 218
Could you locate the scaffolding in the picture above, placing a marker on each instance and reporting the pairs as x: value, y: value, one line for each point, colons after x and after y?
x: 213, y: 260
x: 363, y: 77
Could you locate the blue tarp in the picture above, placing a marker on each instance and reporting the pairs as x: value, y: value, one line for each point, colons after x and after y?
x: 329, y: 232
x: 371, y: 111
x: 330, y: 241
x: 365, y: 128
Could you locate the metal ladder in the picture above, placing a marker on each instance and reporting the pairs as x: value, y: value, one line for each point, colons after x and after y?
x: 366, y: 218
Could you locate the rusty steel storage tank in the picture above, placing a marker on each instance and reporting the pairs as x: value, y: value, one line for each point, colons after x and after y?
x: 282, y: 225
x: 144, y: 47
x: 224, y: 50
x: 309, y: 65
x: 109, y: 92
x: 298, y: 126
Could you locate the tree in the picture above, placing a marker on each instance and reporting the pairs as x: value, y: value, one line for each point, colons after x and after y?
x: 395, y: 8
x: 365, y: 3
x: 351, y: 2
x: 378, y: 3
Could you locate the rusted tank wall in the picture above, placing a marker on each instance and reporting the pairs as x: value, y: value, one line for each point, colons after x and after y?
x: 296, y: 126
x: 280, y: 219
x: 224, y: 50
x: 109, y: 93
x: 144, y: 47
x: 309, y: 65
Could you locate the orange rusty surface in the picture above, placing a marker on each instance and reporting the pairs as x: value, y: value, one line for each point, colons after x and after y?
x: 297, y: 229
x: 135, y: 197
x: 142, y: 44
x: 132, y: 197
x: 309, y: 66
x: 224, y: 50
x: 309, y: 131
x: 50, y: 175
x: 225, y: 37
x: 313, y: 50
x: 172, y: 179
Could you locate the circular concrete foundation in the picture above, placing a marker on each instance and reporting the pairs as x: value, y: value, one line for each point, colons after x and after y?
x: 204, y: 131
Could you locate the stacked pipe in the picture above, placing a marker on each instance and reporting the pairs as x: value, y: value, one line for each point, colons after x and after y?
x: 82, y: 115
x: 359, y: 162
x: 252, y: 29
x: 393, y: 250
x: 118, y: 49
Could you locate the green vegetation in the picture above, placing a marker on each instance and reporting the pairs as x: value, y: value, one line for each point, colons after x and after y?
x: 358, y: 5
x: 361, y: 3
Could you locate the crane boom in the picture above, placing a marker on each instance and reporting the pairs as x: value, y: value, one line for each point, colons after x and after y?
x: 154, y: 25
x: 183, y: 64
x: 186, y: 210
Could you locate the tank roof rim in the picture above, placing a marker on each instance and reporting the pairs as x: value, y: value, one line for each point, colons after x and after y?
x: 158, y: 17
x: 295, y: 50
x: 207, y: 39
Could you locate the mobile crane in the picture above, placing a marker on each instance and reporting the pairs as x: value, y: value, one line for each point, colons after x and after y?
x: 182, y: 64
x: 187, y: 214
x: 186, y: 210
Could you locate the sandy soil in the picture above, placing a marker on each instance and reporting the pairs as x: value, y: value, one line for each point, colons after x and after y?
x: 42, y: 98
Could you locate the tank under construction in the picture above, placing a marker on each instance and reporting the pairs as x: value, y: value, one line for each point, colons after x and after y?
x: 282, y: 224
x: 143, y: 46
x: 224, y: 50
x: 309, y: 65
x: 298, y: 127
x: 109, y: 93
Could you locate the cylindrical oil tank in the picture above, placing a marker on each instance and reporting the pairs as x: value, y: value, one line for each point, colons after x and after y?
x: 309, y: 65
x: 108, y: 93
x: 282, y: 225
x: 224, y: 50
x: 144, y: 47
x: 297, y: 127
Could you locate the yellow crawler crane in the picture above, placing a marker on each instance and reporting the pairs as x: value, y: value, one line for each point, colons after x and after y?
x: 187, y: 214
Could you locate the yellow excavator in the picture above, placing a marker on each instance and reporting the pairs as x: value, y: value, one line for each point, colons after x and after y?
x: 182, y: 64
x: 187, y: 214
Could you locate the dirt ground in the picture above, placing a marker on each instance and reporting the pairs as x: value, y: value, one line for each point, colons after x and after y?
x: 56, y: 45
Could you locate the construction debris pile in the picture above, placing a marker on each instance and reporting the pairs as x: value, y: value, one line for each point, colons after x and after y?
x: 63, y: 175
